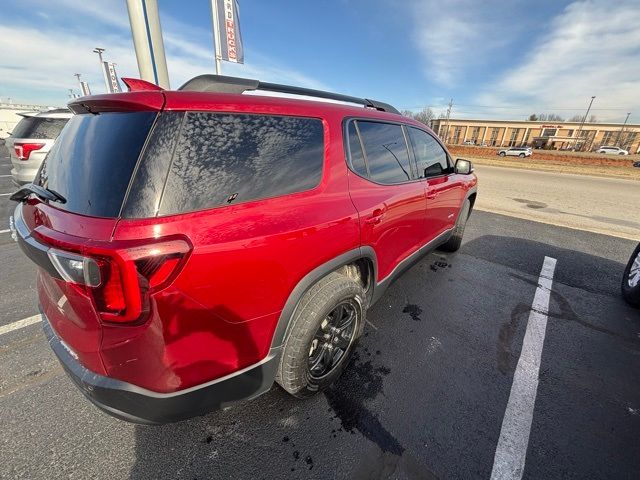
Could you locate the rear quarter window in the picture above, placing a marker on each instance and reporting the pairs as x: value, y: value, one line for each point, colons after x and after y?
x: 221, y: 159
x: 39, y: 127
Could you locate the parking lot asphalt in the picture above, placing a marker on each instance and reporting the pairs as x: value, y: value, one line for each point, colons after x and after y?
x: 424, y: 397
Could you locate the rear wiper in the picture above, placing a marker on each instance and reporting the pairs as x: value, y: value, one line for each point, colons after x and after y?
x: 32, y: 189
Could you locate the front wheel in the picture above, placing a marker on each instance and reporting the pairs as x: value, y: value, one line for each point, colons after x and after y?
x: 631, y: 279
x: 453, y: 244
x: 502, y: 154
x: 521, y: 155
x: 325, y: 327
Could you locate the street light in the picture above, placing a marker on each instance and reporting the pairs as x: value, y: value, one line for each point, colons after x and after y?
x: 99, y: 51
x: 584, y: 119
x: 622, y: 129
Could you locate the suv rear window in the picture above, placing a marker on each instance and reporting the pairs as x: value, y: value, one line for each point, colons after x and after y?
x: 39, y: 127
x: 92, y: 161
x: 220, y: 159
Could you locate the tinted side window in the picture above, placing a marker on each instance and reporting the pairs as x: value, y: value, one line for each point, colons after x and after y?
x: 229, y: 158
x: 39, y: 127
x: 430, y: 156
x: 355, y: 150
x: 386, y: 151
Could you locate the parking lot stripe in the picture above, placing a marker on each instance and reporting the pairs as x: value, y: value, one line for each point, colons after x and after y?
x: 5, y: 231
x: 25, y: 322
x: 5, y: 194
x: 511, y: 451
x: 4, y: 176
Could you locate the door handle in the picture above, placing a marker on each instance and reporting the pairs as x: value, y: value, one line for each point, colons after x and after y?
x: 432, y: 195
x: 376, y: 217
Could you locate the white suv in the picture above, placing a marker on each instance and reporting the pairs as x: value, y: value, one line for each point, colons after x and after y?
x: 31, y: 140
x: 516, y: 152
x: 612, y: 150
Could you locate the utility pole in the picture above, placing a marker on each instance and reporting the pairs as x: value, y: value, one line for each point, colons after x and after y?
x: 582, y: 125
x: 99, y: 51
x: 446, y: 134
x: 622, y: 129
x: 147, y: 41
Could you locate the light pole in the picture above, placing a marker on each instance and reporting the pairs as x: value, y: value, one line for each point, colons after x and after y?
x: 146, y: 32
x: 622, y: 129
x: 584, y: 119
x: 99, y: 51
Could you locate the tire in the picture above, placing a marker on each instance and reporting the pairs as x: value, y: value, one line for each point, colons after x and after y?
x: 315, y: 308
x: 453, y: 244
x: 521, y: 155
x: 502, y: 154
x: 631, y: 293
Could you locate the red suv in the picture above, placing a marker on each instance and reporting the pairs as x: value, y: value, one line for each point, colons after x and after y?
x: 195, y: 245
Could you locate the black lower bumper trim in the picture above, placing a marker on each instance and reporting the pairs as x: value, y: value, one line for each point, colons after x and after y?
x: 138, y: 405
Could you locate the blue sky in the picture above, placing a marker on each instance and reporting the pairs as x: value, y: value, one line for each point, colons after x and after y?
x: 496, y: 59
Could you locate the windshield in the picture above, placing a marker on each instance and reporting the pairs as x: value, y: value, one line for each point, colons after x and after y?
x: 92, y: 161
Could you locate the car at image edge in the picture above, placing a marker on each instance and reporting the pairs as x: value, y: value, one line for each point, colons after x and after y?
x: 194, y: 246
x: 30, y: 141
x: 631, y: 279
x: 515, y: 152
x: 612, y: 150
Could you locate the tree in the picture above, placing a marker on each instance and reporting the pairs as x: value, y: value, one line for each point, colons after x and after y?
x: 593, y: 119
x: 425, y: 115
x: 554, y: 117
x: 533, y: 117
x: 576, y: 118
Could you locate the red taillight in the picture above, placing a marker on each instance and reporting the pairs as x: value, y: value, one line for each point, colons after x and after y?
x: 23, y: 150
x: 120, y: 280
x: 109, y: 296
x: 136, y: 273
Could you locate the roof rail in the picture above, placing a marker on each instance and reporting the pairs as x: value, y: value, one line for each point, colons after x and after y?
x: 224, y: 84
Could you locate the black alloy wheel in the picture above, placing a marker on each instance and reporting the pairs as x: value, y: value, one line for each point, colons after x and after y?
x: 333, y: 338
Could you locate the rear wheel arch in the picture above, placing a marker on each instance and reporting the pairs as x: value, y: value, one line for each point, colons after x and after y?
x: 359, y: 264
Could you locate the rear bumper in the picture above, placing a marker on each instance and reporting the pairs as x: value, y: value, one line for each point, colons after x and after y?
x: 138, y: 405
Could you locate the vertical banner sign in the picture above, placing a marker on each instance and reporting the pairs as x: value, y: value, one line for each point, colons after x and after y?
x: 85, y: 88
x: 230, y: 37
x: 110, y: 70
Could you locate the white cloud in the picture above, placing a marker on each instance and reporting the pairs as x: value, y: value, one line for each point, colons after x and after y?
x: 592, y: 48
x: 38, y: 63
x: 453, y: 37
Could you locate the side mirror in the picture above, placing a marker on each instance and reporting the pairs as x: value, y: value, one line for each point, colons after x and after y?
x: 463, y: 167
x: 433, y: 170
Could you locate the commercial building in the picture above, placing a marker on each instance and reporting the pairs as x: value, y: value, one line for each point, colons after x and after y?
x: 552, y: 135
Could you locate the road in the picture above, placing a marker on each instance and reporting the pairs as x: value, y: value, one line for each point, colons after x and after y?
x: 425, y: 396
x: 596, y: 204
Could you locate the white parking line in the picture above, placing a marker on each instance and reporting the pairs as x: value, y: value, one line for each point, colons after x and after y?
x: 25, y: 322
x: 511, y: 452
x: 4, y: 176
x: 5, y: 231
x: 5, y: 194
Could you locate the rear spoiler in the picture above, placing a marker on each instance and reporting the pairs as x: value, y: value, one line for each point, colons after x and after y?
x: 136, y: 101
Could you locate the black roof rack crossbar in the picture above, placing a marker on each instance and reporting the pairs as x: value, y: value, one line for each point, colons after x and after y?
x: 224, y: 84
